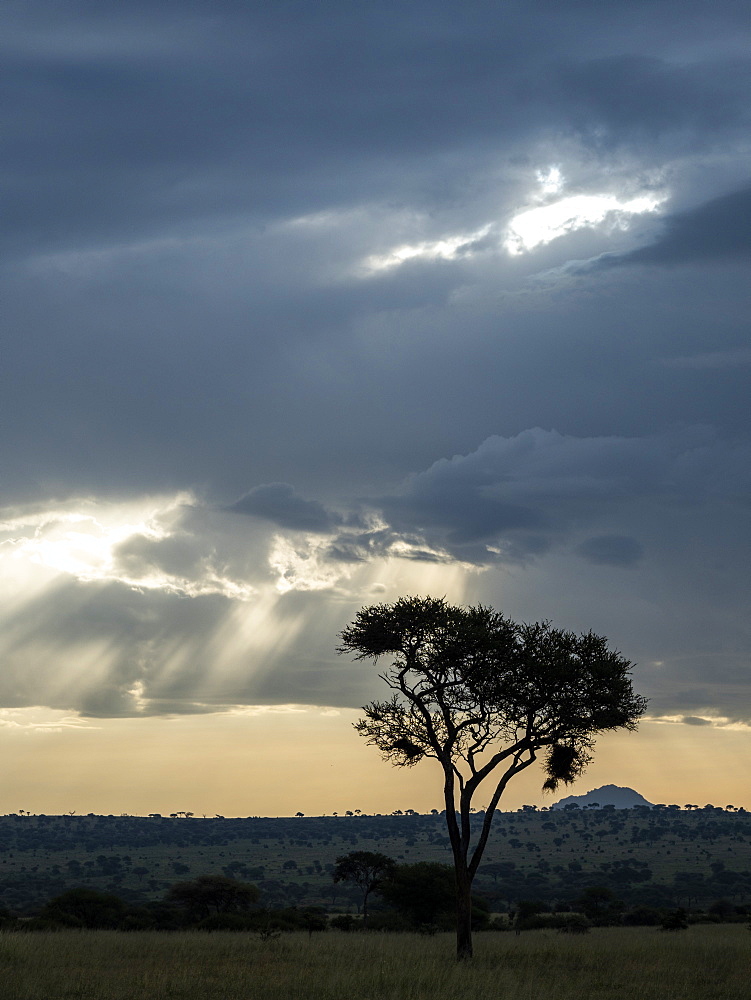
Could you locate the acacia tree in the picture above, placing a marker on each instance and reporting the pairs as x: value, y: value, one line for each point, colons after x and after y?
x: 209, y: 894
x: 367, y: 869
x: 486, y: 697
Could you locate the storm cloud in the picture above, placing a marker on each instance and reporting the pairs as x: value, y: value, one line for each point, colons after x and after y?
x: 715, y: 231
x: 279, y: 503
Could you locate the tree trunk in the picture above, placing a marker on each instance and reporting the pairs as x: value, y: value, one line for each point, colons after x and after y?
x: 463, y: 914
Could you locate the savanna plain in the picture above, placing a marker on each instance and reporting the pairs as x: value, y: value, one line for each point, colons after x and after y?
x: 705, y: 962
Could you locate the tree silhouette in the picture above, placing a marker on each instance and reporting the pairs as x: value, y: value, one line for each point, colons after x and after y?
x: 83, y: 907
x: 423, y: 892
x: 213, y: 894
x: 367, y: 869
x: 484, y: 696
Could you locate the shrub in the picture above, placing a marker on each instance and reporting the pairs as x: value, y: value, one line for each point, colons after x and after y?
x: 676, y: 920
x: 643, y: 916
x: 575, y: 923
x: 212, y: 894
x: 84, y: 908
x: 345, y: 922
x: 722, y: 908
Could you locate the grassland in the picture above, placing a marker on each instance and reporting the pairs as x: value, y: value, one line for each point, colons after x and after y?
x: 291, y: 859
x: 702, y: 963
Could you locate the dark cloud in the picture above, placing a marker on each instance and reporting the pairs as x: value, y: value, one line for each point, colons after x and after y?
x: 715, y: 231
x: 611, y: 550
x: 140, y: 119
x: 524, y: 493
x: 170, y: 330
x: 643, y: 99
x: 695, y: 720
x: 279, y: 503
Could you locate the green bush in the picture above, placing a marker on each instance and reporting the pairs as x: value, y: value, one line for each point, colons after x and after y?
x: 676, y: 920
x: 643, y: 916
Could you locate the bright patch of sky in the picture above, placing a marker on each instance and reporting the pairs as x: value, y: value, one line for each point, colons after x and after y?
x: 550, y: 180
x: 301, y: 566
x: 37, y: 719
x: 716, y: 721
x: 550, y: 218
x: 445, y: 249
x: 534, y: 227
x: 84, y: 544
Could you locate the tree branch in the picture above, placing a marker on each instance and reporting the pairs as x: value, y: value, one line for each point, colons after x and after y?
x: 510, y: 772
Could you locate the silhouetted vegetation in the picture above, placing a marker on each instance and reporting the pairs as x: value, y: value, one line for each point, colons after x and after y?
x: 208, y: 903
x: 367, y: 870
x: 659, y: 858
x: 210, y: 895
x: 486, y: 698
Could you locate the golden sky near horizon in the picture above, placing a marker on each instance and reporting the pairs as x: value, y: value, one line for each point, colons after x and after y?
x: 280, y: 761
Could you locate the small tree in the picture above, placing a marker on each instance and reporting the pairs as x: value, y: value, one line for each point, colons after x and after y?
x: 211, y: 894
x: 87, y: 908
x: 424, y: 893
x: 367, y: 869
x: 676, y: 920
x: 599, y: 904
x: 484, y: 697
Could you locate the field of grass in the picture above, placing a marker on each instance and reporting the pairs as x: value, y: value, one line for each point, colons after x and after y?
x: 702, y: 963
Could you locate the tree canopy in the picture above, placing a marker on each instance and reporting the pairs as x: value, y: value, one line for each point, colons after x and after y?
x: 367, y: 869
x: 485, y: 696
x: 209, y: 894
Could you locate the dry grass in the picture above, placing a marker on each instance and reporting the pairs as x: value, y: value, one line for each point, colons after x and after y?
x: 703, y: 963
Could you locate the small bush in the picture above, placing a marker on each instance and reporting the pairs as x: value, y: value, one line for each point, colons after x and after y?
x: 345, y: 922
x: 500, y: 923
x: 643, y: 916
x: 676, y: 920
x: 84, y: 908
x: 723, y: 909
x: 575, y: 923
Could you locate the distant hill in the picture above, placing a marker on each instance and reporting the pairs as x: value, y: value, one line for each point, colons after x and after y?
x: 606, y: 795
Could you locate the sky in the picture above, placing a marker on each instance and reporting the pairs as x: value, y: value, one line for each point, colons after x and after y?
x: 309, y: 306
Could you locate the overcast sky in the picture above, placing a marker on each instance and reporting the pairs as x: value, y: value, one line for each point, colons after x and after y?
x: 311, y: 305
